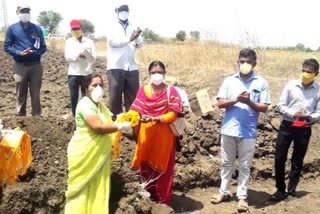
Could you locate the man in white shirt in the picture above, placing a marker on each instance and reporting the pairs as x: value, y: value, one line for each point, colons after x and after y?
x: 299, y: 106
x: 80, y: 52
x: 123, y: 74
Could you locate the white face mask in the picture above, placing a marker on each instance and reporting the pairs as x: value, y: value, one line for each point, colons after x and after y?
x: 97, y: 94
x: 24, y: 17
x: 157, y: 79
x: 123, y: 15
x: 245, y: 68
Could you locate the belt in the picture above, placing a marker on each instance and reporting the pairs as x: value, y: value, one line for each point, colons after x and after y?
x: 29, y: 63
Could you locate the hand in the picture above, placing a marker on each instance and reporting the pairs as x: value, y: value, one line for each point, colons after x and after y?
x: 81, y: 55
x: 135, y: 34
x: 26, y: 52
x: 145, y: 118
x: 244, y: 97
x: 305, y: 118
x: 125, y: 126
x: 298, y: 114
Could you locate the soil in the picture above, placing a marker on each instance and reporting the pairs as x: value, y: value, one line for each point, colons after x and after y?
x: 197, y: 170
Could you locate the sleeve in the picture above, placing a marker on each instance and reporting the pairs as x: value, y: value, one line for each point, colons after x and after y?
x: 70, y: 54
x: 169, y: 117
x: 92, y: 53
x: 9, y: 42
x: 117, y: 39
x: 138, y: 42
x: 86, y: 108
x: 43, y: 47
x: 315, y: 116
x: 223, y: 91
x: 282, y: 106
x: 265, y: 94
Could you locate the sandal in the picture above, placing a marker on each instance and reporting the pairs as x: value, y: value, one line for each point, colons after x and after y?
x: 216, y: 199
x: 243, y: 206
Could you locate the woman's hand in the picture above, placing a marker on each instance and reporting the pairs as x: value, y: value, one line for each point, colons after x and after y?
x: 147, y: 118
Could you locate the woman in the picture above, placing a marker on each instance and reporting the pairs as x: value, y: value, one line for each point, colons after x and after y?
x: 155, y: 151
x: 89, y: 152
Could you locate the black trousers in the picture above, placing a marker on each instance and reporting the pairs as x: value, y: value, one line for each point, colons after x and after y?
x: 74, y: 83
x: 121, y: 81
x: 300, y: 138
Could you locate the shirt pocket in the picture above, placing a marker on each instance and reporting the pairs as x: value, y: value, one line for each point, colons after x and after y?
x: 255, y: 95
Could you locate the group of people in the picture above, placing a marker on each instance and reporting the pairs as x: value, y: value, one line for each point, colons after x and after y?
x: 243, y: 96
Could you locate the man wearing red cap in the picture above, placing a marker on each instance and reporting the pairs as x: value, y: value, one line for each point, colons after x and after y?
x: 80, y: 52
x: 24, y: 41
x: 123, y: 74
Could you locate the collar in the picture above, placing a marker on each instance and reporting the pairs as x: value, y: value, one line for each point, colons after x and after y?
x: 254, y: 75
x: 124, y: 25
x: 22, y: 25
x: 299, y: 83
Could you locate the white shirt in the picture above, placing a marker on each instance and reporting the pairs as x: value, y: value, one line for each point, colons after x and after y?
x: 295, y: 97
x: 77, y: 65
x: 121, y: 50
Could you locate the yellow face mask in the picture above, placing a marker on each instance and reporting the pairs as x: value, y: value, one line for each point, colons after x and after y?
x: 77, y: 33
x: 245, y: 68
x: 307, y: 78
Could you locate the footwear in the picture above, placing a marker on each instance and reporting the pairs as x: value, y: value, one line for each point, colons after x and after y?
x: 278, y: 196
x: 242, y: 206
x: 217, y: 199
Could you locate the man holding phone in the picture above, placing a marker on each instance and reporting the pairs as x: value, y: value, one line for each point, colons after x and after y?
x: 122, y: 71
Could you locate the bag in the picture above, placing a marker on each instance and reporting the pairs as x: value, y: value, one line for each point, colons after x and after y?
x: 179, y: 125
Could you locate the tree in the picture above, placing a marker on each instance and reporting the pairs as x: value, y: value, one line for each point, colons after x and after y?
x: 300, y: 47
x: 195, y: 35
x: 148, y: 34
x: 87, y: 26
x: 181, y: 36
x: 50, y: 20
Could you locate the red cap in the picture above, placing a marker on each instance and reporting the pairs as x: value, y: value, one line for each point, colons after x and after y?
x: 75, y: 24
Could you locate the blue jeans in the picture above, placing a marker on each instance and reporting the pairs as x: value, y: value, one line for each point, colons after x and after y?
x: 74, y: 82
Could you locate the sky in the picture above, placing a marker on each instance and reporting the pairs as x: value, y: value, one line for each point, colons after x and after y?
x: 244, y: 22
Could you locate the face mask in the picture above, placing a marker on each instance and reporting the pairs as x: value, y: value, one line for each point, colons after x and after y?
x: 97, y: 94
x: 245, y: 68
x: 307, y: 78
x: 76, y: 33
x: 123, y: 15
x: 24, y: 17
x: 157, y: 79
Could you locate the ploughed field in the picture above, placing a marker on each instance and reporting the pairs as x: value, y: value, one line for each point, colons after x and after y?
x: 197, y: 170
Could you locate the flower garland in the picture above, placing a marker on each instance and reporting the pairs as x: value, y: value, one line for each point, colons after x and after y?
x: 131, y: 116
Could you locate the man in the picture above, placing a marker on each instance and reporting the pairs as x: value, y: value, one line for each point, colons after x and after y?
x: 243, y: 95
x: 123, y: 74
x: 80, y: 52
x: 25, y: 42
x: 299, y: 106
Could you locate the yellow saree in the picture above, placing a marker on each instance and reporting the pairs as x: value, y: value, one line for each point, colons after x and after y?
x: 89, y: 164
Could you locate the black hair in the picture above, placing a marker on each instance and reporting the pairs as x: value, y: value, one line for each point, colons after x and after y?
x: 88, y: 79
x: 247, y: 52
x: 313, y: 63
x: 123, y: 8
x: 156, y: 63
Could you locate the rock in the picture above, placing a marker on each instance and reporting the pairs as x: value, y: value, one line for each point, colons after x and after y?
x: 192, y: 147
x: 275, y: 123
x: 161, y: 209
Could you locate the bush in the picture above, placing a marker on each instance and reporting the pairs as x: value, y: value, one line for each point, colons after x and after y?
x: 181, y: 36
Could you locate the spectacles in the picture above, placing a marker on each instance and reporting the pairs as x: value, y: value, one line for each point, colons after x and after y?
x: 245, y: 61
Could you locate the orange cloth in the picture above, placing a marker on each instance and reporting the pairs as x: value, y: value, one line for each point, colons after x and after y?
x: 15, y: 156
x: 155, y: 141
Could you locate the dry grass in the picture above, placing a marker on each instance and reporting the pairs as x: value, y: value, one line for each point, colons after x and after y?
x: 198, y: 65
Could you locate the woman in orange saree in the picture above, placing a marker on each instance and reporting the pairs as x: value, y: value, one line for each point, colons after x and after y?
x: 155, y: 150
